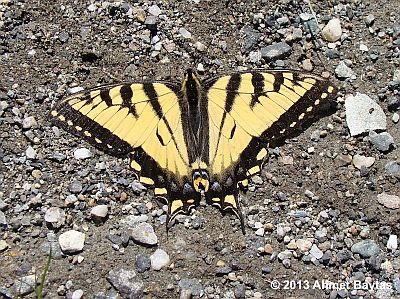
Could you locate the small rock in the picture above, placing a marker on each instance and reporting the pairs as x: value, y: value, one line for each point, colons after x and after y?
x: 30, y: 153
x: 382, y: 141
x: 392, y: 167
x: 363, y: 114
x: 75, y: 187
x: 3, y: 245
x: 389, y: 201
x: 77, y: 294
x: 393, y: 103
x: 342, y: 71
x: 154, y: 10
x: 143, y: 263
x: 316, y: 252
x: 343, y: 256
x: 276, y: 51
x: 332, y: 31
x: 343, y: 160
x: 284, y: 255
x: 250, y: 39
x: 395, y: 118
x: 193, y: 285
x: 127, y: 283
x: 255, y: 56
x: 71, y: 241
x: 392, y: 243
x: 99, y: 212
x: 366, y: 248
x: 55, y: 216
x: 369, y: 20
x: 200, y: 47
x: 200, y: 68
x: 144, y: 234
x: 285, y: 160
x: 82, y: 153
x: 307, y: 65
x: 362, y: 161
x: 29, y: 122
x: 159, y: 259
x: 63, y: 36
x: 24, y: 285
x: 303, y: 245
x: 184, y: 33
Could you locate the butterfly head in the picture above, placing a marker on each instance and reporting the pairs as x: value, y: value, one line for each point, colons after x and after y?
x: 200, y: 177
x: 191, y: 82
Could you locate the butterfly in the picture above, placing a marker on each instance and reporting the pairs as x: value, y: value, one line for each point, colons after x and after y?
x: 196, y: 139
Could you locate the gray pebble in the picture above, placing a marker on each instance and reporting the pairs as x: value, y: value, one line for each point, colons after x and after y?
x: 127, y: 283
x: 30, y: 153
x: 137, y: 187
x: 369, y: 20
x: 24, y: 285
x: 342, y: 71
x: 316, y: 252
x: 184, y: 33
x: 393, y: 103
x: 75, y: 187
x: 276, y: 51
x: 366, y: 248
x: 63, y: 36
x: 3, y: 220
x: 143, y: 263
x: 225, y: 270
x: 396, y: 284
x: 29, y: 122
x: 154, y: 10
x: 251, y: 37
x: 55, y: 216
x: 343, y: 255
x: 382, y: 141
x: 240, y: 291
x: 144, y: 234
x: 392, y: 167
x: 193, y: 285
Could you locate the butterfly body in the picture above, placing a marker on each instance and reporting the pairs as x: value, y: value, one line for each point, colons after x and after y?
x: 197, y: 139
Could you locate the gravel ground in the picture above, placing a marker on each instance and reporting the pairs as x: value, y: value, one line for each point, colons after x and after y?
x: 323, y: 216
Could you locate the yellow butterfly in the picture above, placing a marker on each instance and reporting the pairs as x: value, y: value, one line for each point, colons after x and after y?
x: 196, y: 138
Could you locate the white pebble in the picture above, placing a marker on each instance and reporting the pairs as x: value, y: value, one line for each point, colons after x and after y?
x: 392, y: 242
x: 159, y: 259
x: 71, y: 241
x: 82, y: 153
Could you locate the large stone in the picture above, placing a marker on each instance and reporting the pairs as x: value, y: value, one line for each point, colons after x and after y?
x: 159, y: 259
x: 366, y: 248
x: 144, y: 234
x: 127, y: 283
x: 363, y: 114
x: 332, y: 31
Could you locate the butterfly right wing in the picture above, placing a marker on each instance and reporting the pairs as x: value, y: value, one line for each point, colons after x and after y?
x: 142, y: 120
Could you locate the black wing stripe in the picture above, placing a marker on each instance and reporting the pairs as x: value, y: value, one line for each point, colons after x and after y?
x: 126, y: 95
x: 257, y: 80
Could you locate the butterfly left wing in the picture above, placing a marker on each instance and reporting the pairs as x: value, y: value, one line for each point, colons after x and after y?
x: 143, y: 120
x: 247, y: 111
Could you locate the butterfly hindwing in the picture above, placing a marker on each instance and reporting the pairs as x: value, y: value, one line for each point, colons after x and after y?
x: 139, y: 119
